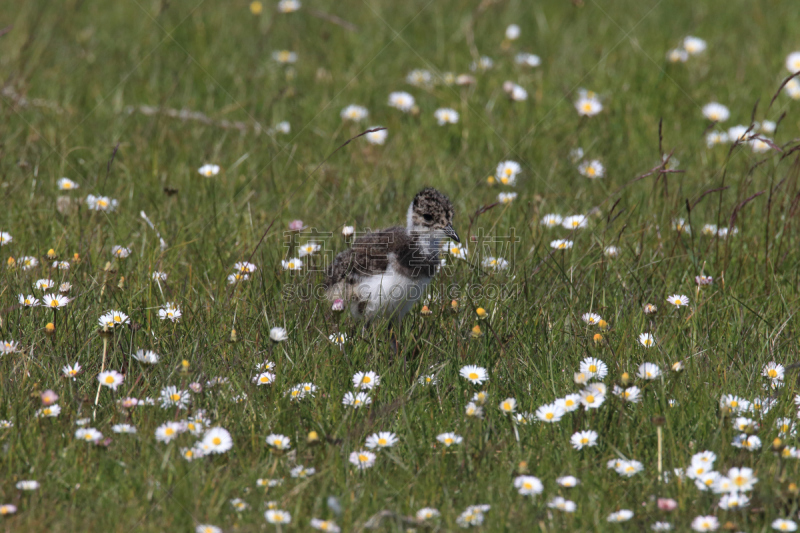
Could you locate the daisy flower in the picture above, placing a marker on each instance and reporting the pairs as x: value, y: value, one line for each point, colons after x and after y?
x: 419, y: 77
x: 592, y: 169
x: 716, y: 112
x: 217, y: 440
x: 325, y: 525
x: 69, y: 371
x: 705, y: 523
x: 264, y: 378
x: 595, y: 368
x: 284, y: 57
x: 629, y: 394
x: 623, y: 515
x: 277, y: 516
x: 292, y: 264
x: 101, y: 203
x: 426, y: 513
x: 591, y: 398
x: 449, y: 439
x: 527, y: 60
x: 445, y: 115
x: 383, y: 439
x: 377, y: 137
x: 7, y: 347
x: 458, y: 250
x: 474, y: 374
x: 44, y: 284
x: 473, y: 410
x: 288, y: 6
x: 569, y: 403
x: 168, y: 431
x: 528, y: 485
x: 54, y: 301
x: 588, y: 107
x: 647, y: 340
x: 568, y: 481
x: 88, y: 434
x: 793, y: 62
x: 551, y: 412
x: 512, y: 32
x: 355, y: 113
x: 170, y: 311
x: 733, y: 501
x: 50, y: 411
x: 561, y: 244
x: 648, y: 371
x: 507, y: 172
x: 677, y: 55
x: 583, y: 439
x: 773, y: 371
x: 309, y: 248
x: 402, y: 101
x: 507, y: 406
x: 148, y: 357
x: 27, y: 485
x: 112, y: 319
x: 279, y: 442
x: 506, y: 197
x: 742, y: 479
x: 678, y: 300
x: 575, y: 222
x: 278, y: 334
x: 123, y: 428
x: 366, y: 380
x: 171, y: 396
x: 562, y: 504
x: 120, y: 251
x: 693, y: 45
x: 362, y: 459
x: 551, y: 220
x: 111, y: 379
x: 782, y: 524
x: 356, y: 400
x: 497, y: 263
x: 591, y: 318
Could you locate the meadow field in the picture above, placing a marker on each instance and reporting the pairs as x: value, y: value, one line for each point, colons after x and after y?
x: 612, y: 346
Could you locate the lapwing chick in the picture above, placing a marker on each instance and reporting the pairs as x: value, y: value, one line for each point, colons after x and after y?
x: 386, y: 272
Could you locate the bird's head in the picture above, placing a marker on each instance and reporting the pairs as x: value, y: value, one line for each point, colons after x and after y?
x: 431, y: 213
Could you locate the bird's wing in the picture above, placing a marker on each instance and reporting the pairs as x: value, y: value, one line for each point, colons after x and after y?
x: 368, y: 256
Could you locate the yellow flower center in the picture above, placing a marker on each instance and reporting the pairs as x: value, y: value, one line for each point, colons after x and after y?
x: 739, y: 481
x: 527, y: 485
x: 590, y: 171
x: 47, y: 411
x: 382, y: 442
x: 357, y: 402
x: 175, y: 397
x: 295, y: 393
x: 109, y: 379
x: 88, y: 436
x: 549, y: 416
x: 504, y: 180
x: 506, y: 406
x: 217, y: 441
x: 590, y: 398
x: 772, y: 373
x: 363, y: 458
x: 264, y: 379
x: 366, y: 379
x: 102, y: 203
x: 734, y: 403
x: 454, y: 250
x: 569, y: 402
x: 587, y: 107
x: 448, y: 441
x: 291, y: 264
x: 592, y: 368
x: 473, y: 375
x: 168, y: 432
x: 53, y: 303
x: 584, y: 440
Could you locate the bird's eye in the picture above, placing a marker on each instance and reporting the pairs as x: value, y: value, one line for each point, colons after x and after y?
x: 427, y: 217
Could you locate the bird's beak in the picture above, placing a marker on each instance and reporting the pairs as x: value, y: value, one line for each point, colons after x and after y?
x: 450, y: 232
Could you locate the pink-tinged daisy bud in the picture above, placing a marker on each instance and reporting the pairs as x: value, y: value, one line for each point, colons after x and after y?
x: 196, y: 388
x: 49, y: 397
x: 338, y: 305
x: 296, y: 225
x: 667, y: 504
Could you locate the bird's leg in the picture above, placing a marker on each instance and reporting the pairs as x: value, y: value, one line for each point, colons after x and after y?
x: 393, y: 338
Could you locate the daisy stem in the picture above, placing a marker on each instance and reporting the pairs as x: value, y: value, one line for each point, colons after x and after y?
x: 102, y: 369
x: 658, y: 433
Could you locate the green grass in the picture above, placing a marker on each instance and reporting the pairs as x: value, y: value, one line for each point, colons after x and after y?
x: 83, y: 63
